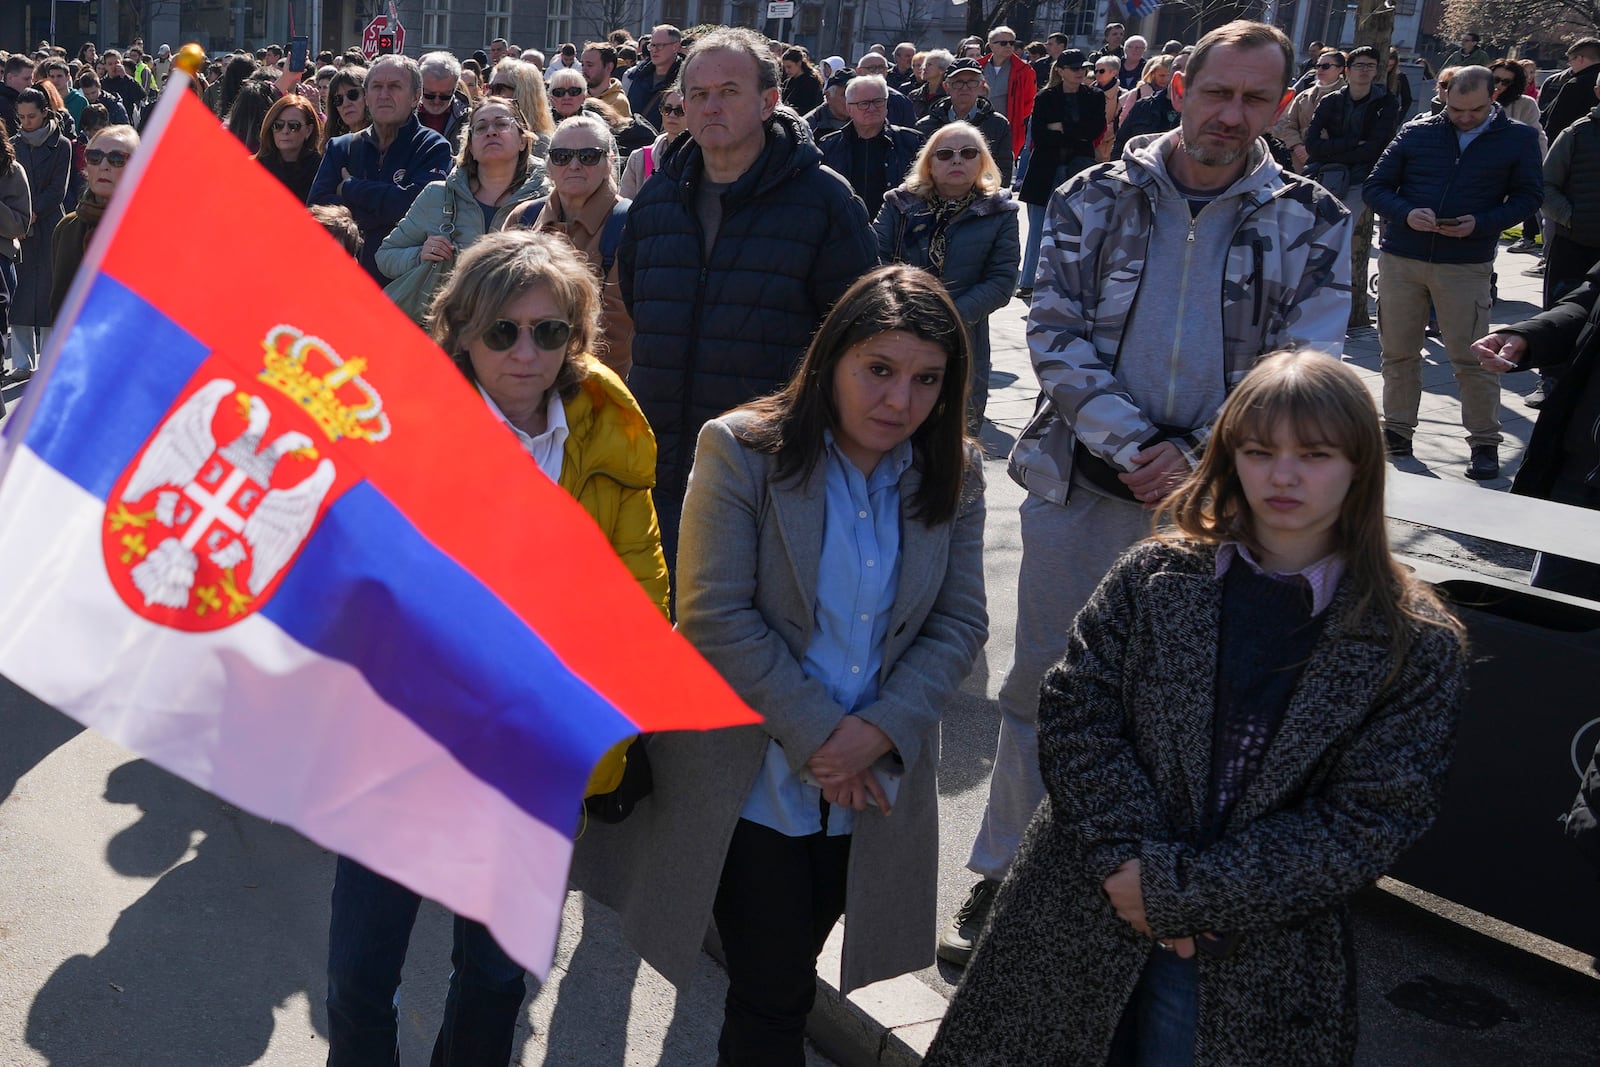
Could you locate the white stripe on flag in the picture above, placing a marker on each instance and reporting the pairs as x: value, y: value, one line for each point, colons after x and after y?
x: 267, y: 724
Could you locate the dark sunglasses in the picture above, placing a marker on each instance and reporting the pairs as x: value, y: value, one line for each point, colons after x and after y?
x: 1505, y: 81
x: 292, y: 125
x: 349, y: 96
x: 1008, y: 44
x: 673, y: 110
x: 945, y: 155
x: 97, y: 156
x: 549, y: 334
x: 589, y: 157
x: 571, y: 90
x: 436, y: 97
x: 498, y: 89
x: 1327, y: 66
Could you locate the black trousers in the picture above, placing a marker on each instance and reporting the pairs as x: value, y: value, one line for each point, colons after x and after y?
x: 778, y: 900
x: 1565, y: 263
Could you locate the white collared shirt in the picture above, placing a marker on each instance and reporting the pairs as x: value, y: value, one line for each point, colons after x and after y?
x: 546, y: 448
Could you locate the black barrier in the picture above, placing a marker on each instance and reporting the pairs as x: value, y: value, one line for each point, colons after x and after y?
x: 1530, y: 724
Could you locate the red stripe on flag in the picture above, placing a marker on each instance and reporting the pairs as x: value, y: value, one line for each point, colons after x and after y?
x: 458, y: 476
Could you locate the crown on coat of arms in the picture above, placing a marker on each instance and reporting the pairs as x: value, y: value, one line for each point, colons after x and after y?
x: 330, y: 389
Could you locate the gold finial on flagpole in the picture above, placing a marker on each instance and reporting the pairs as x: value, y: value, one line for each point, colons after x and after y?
x: 190, y: 58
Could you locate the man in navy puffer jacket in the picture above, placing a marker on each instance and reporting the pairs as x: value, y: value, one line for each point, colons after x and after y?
x: 734, y: 251
x: 1447, y: 186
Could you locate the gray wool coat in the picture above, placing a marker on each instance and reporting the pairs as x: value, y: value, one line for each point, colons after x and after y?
x: 748, y: 559
x: 1353, y: 776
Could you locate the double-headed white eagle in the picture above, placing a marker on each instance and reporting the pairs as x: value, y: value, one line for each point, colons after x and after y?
x: 274, y: 530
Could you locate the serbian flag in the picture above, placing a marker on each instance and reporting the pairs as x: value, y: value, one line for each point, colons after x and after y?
x: 273, y: 541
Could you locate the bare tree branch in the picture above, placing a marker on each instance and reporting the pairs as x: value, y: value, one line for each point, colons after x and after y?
x: 1517, y: 20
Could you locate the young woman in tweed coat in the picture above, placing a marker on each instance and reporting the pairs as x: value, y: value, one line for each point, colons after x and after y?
x: 1253, y: 719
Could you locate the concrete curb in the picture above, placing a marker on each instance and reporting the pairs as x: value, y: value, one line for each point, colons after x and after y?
x: 890, y: 1023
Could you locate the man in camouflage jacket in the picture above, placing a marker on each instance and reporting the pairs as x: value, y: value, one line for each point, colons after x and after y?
x: 1163, y: 277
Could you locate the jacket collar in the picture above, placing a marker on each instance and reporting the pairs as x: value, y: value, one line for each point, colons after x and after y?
x: 788, y: 151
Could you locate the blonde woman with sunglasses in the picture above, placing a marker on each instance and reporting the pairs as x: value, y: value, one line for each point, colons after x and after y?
x: 106, y: 161
x: 952, y: 219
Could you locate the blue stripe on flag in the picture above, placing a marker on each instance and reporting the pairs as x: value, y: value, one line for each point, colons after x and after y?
x: 122, y: 367
x: 443, y: 650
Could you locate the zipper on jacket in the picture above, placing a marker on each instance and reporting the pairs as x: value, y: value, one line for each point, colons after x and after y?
x: 1183, y: 299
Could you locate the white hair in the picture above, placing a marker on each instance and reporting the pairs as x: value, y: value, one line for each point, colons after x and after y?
x: 939, y: 57
x: 868, y: 80
x: 436, y: 66
x: 565, y: 75
x: 1135, y: 40
x: 533, y: 55
x: 999, y: 29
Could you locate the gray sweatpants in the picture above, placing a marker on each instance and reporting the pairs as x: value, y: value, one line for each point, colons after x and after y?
x: 1065, y: 553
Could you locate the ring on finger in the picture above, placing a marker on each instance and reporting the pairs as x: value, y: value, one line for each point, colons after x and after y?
x: 1164, y: 946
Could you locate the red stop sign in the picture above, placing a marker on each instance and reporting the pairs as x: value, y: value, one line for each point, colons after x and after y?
x: 381, y: 27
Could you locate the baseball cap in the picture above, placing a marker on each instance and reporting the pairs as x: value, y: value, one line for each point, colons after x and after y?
x: 1072, y: 57
x: 962, y: 64
x: 840, y: 78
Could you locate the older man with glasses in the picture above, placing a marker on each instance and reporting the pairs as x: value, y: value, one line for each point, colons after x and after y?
x: 964, y: 102
x: 871, y: 153
x: 901, y: 111
x: 442, y: 110
x: 1012, y: 86
x: 378, y: 172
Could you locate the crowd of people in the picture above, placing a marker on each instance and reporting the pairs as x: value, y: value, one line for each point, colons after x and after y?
x: 736, y: 302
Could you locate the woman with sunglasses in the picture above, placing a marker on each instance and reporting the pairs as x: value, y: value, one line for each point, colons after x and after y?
x: 291, y: 136
x: 1510, y: 92
x: 46, y: 157
x: 584, y: 207
x: 346, y: 104
x: 495, y: 173
x: 1068, y: 117
x: 642, y: 162
x: 567, y: 89
x: 519, y: 318
x: 521, y: 83
x: 106, y: 160
x: 952, y: 219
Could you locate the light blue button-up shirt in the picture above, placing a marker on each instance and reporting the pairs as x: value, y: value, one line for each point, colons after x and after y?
x: 856, y: 584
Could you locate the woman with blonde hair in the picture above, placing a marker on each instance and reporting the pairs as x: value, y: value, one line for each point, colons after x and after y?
x: 523, y: 84
x: 567, y: 90
x: 1157, y: 76
x: 584, y: 207
x: 951, y: 218
x: 495, y: 173
x: 1253, y: 719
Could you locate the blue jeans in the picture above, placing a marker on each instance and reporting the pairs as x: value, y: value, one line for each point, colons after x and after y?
x: 367, y: 940
x: 1158, y: 1025
x: 1030, y: 255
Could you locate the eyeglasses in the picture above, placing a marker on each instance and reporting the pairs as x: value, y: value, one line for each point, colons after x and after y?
x: 571, y: 90
x: 496, y: 126
x: 671, y: 109
x: 1363, y: 66
x: 96, y: 156
x: 437, y: 97
x: 1327, y: 66
x: 945, y: 155
x: 549, y: 334
x: 500, y: 89
x: 348, y: 97
x: 870, y: 105
x: 589, y: 157
x: 292, y: 125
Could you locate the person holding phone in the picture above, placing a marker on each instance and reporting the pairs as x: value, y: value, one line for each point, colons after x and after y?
x: 1447, y: 186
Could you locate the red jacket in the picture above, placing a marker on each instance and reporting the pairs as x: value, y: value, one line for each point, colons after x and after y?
x: 1020, y: 91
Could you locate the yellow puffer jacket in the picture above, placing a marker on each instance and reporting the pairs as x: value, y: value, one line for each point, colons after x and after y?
x: 609, y: 467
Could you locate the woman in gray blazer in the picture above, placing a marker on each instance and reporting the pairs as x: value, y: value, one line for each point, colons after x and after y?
x: 830, y: 566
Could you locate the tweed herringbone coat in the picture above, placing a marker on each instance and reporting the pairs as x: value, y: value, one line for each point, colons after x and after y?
x: 1353, y: 776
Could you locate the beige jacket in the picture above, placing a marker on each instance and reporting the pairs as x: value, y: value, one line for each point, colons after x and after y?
x: 1291, y: 126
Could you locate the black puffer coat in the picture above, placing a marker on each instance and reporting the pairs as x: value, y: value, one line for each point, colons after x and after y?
x: 714, y: 331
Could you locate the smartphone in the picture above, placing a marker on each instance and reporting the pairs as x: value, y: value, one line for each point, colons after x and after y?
x: 298, y: 48
x: 1447, y: 222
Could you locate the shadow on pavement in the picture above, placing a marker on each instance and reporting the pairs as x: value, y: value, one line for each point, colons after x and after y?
x: 32, y: 730
x: 193, y: 970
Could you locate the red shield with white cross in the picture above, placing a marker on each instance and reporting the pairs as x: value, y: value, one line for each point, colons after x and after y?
x: 201, y: 527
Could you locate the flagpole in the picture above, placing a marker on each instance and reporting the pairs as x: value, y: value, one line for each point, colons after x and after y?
x: 185, y: 65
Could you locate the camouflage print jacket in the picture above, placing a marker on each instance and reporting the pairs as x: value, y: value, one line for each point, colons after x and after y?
x: 1286, y: 285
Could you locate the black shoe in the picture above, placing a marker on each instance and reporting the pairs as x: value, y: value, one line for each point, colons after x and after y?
x: 956, y: 943
x: 18, y: 376
x: 1523, y: 244
x: 1485, y: 463
x: 1025, y: 293
x: 1396, y: 444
